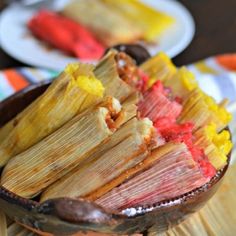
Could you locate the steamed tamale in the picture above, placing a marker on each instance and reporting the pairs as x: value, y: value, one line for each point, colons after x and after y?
x: 72, y: 92
x: 201, y: 109
x: 215, y: 145
x: 31, y: 171
x: 108, y: 26
x: 126, y: 148
x: 181, y: 83
x: 173, y: 174
x: 152, y: 22
x: 107, y: 72
x: 159, y: 67
x: 156, y: 104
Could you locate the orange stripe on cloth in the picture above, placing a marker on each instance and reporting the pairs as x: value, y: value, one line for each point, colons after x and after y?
x: 228, y: 61
x: 16, y: 80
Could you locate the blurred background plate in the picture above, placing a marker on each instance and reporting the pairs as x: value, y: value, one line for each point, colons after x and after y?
x: 17, y: 41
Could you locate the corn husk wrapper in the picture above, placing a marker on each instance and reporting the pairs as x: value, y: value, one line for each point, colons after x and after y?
x: 202, y: 110
x: 159, y: 67
x: 215, y: 145
x: 140, y: 14
x: 106, y: 72
x: 173, y: 174
x: 108, y: 26
x: 30, y: 172
x: 181, y: 83
x: 121, y: 152
x: 68, y: 95
x: 3, y: 224
x: 127, y: 114
x: 156, y: 105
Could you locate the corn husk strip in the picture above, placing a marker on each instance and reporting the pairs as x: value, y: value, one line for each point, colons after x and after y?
x: 182, y: 83
x: 33, y: 170
x: 155, y: 105
x: 159, y: 67
x: 106, y: 72
x: 67, y: 96
x: 215, y: 145
x: 121, y: 153
x: 111, y: 28
x: 133, y: 9
x: 174, y: 174
x: 201, y: 110
x: 3, y: 224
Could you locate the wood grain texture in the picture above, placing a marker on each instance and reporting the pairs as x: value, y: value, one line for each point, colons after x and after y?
x: 217, y: 218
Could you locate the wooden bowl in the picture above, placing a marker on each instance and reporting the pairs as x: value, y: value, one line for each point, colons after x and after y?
x: 65, y: 216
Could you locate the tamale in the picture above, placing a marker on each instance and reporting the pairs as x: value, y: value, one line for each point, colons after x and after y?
x: 140, y: 14
x: 3, y: 224
x: 159, y: 67
x: 201, y: 109
x: 31, y: 171
x: 126, y: 148
x: 215, y: 145
x: 106, y: 71
x: 181, y: 83
x: 108, y: 26
x: 156, y: 104
x: 173, y: 174
x: 72, y: 92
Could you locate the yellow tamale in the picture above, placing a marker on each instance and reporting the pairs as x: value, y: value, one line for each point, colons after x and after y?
x: 201, y: 110
x: 67, y: 96
x: 181, y: 83
x: 159, y: 67
x: 215, y: 145
x: 151, y: 21
x: 31, y: 171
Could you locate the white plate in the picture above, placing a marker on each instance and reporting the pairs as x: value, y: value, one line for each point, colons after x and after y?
x: 17, y: 41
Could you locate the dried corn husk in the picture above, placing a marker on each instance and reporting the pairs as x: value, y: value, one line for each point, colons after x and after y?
x: 173, y: 174
x: 3, y: 224
x: 126, y: 148
x: 159, y: 67
x: 33, y: 170
x: 215, y: 145
x: 108, y: 26
x: 68, y: 95
x: 182, y: 83
x: 106, y: 72
x: 140, y: 14
x: 156, y: 105
x: 201, y: 110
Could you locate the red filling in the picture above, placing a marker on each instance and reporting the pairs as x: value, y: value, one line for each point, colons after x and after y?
x: 159, y: 105
x: 65, y: 34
